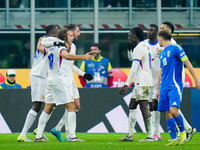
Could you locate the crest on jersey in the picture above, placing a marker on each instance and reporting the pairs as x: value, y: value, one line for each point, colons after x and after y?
x: 168, y: 53
x: 158, y: 50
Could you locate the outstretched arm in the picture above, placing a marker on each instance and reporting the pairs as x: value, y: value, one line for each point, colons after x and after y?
x: 191, y: 70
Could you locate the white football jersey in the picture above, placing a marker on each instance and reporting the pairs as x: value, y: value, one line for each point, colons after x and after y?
x: 40, y: 65
x: 155, y: 50
x: 60, y: 69
x: 141, y: 53
x: 73, y: 49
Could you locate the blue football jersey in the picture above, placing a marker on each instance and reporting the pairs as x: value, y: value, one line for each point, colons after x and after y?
x: 171, y: 62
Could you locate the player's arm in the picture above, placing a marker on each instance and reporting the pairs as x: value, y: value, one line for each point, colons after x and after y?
x: 159, y: 80
x: 85, y: 75
x: 66, y: 55
x: 52, y: 41
x: 39, y: 45
x: 191, y: 70
x: 135, y: 66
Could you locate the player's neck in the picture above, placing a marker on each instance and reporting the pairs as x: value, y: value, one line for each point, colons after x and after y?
x: 166, y: 43
x: 153, y: 41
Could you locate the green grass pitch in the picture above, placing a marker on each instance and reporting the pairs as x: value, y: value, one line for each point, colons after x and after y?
x: 95, y: 141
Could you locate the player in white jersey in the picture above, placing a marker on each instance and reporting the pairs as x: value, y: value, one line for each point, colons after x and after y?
x: 141, y: 70
x: 155, y: 49
x: 49, y: 43
x: 38, y: 76
x: 59, y: 85
x: 189, y: 130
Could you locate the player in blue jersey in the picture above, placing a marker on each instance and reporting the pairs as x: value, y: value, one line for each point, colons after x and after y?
x: 190, y: 131
x: 171, y: 85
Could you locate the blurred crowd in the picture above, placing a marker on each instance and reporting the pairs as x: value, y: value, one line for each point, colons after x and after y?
x: 102, y: 3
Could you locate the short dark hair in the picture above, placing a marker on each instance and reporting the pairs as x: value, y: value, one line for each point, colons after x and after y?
x: 95, y: 44
x: 51, y: 30
x: 170, y: 25
x: 166, y: 35
x: 62, y: 34
x: 155, y: 26
x: 71, y: 26
x: 138, y: 32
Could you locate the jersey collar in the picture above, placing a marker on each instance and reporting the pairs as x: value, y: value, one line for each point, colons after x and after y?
x: 99, y: 59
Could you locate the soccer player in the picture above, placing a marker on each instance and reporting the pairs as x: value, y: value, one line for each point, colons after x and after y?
x: 171, y: 85
x: 143, y: 82
x: 49, y: 43
x: 38, y: 76
x: 59, y: 89
x: 155, y: 49
x: 189, y: 130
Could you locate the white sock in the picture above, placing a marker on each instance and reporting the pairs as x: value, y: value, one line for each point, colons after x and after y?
x: 71, y: 123
x: 131, y: 121
x: 66, y: 124
x: 178, y: 130
x: 187, y: 126
x: 148, y: 126
x: 30, y: 118
x: 44, y: 117
x: 153, y: 121
x: 61, y: 123
x: 156, y: 123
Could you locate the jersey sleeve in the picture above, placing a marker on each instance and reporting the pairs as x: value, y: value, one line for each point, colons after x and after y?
x: 181, y: 53
x: 138, y: 52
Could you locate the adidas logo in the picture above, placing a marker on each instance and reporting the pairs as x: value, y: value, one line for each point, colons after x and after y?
x: 174, y: 103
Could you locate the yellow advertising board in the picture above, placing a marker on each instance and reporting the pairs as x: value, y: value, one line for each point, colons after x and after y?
x: 22, y: 77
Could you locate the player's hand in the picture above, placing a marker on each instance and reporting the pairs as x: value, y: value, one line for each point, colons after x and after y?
x: 59, y: 44
x: 130, y: 47
x: 197, y: 83
x: 88, y: 76
x: 87, y: 56
x: 123, y: 90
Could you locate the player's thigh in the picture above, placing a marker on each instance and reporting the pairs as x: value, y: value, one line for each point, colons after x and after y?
x: 175, y: 96
x: 75, y: 91
x: 62, y: 94
x: 143, y: 92
x: 49, y: 95
x: 163, y: 103
x: 38, y: 87
x: 77, y: 103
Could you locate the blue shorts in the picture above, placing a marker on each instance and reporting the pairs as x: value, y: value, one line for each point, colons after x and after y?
x: 169, y: 98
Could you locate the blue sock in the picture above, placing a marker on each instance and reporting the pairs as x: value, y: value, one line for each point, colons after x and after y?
x: 171, y: 126
x: 179, y: 122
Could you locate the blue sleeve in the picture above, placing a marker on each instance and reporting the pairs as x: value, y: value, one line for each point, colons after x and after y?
x: 180, y: 52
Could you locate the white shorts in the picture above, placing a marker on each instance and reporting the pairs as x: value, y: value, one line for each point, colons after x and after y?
x: 75, y: 91
x: 153, y: 93
x: 141, y: 92
x: 59, y: 94
x: 38, y: 88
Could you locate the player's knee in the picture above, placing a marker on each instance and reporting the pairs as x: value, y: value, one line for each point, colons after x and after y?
x: 155, y: 105
x: 151, y: 106
x: 133, y: 104
x: 36, y: 106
